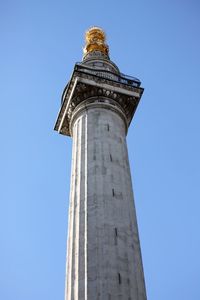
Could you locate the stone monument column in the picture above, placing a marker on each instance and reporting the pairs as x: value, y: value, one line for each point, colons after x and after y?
x: 103, y: 256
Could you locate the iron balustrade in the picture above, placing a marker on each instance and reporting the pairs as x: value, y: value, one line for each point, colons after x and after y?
x: 122, y: 78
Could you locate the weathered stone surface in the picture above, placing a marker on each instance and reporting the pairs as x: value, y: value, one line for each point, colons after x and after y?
x: 104, y: 259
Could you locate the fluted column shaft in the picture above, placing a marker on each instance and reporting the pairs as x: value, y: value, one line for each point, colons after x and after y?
x: 104, y: 259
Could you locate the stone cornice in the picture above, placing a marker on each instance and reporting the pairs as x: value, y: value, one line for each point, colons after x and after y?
x: 101, y: 86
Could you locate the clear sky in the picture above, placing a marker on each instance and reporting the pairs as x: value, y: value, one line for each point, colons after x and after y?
x: 156, y: 41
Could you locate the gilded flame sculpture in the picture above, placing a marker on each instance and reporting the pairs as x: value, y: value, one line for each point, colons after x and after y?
x: 95, y: 41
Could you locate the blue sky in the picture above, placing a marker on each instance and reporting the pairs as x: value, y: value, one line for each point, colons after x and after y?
x: 156, y: 41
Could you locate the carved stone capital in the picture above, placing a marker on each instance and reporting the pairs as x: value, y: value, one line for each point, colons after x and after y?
x: 89, y: 86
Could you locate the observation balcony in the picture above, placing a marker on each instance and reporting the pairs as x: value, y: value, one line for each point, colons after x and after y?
x: 120, y: 78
